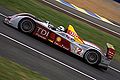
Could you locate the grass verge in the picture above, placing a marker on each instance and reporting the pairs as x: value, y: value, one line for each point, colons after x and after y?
x: 12, y: 71
x: 84, y: 30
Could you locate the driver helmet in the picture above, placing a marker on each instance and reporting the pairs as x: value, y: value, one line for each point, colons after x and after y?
x: 61, y: 28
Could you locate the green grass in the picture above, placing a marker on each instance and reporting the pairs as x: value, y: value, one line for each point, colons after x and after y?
x: 57, y: 18
x: 12, y: 71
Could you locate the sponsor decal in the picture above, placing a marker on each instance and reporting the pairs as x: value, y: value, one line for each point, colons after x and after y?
x: 79, y: 50
x: 71, y: 31
x: 75, y: 49
x: 66, y: 48
x: 41, y: 32
x: 66, y: 44
x: 58, y: 39
x: 62, y: 43
x: 59, y: 44
x: 50, y: 40
x: 51, y: 37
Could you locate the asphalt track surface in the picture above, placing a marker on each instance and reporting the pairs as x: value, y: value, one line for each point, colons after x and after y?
x: 44, y: 65
x: 112, y: 29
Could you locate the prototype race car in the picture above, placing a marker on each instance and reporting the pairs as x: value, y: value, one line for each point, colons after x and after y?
x: 67, y: 39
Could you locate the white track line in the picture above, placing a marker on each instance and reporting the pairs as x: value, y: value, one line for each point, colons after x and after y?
x: 114, y: 69
x: 3, y: 15
x: 80, y: 17
x: 47, y: 56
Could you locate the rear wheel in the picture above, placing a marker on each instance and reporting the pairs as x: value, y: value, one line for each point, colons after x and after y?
x: 92, y: 57
x: 26, y: 25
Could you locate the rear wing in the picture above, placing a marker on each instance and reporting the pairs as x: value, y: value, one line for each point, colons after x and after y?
x: 110, y: 51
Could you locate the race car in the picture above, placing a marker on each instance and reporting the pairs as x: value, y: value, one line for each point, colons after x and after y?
x: 67, y: 39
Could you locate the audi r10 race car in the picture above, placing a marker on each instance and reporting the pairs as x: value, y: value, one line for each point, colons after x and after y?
x: 67, y: 39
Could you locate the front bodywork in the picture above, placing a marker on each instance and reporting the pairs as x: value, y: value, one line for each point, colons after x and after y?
x: 61, y: 39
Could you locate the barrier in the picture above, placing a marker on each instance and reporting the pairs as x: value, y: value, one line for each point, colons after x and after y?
x: 84, y: 11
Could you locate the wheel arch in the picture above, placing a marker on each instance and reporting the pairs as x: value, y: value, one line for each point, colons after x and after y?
x: 26, y: 18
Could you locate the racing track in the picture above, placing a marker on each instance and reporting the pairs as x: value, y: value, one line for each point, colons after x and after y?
x: 111, y: 29
x: 43, y: 65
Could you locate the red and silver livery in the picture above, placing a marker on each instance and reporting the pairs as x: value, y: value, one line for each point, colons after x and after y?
x: 70, y: 41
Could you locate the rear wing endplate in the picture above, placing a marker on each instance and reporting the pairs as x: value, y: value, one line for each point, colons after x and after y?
x: 110, y: 51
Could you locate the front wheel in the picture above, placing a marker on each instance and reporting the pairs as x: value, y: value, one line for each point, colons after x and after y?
x: 26, y: 25
x: 92, y: 57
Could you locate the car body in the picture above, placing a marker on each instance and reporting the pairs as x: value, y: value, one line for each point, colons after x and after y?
x: 68, y: 40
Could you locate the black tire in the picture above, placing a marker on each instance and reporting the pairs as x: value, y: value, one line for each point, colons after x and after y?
x: 92, y: 57
x: 26, y: 25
